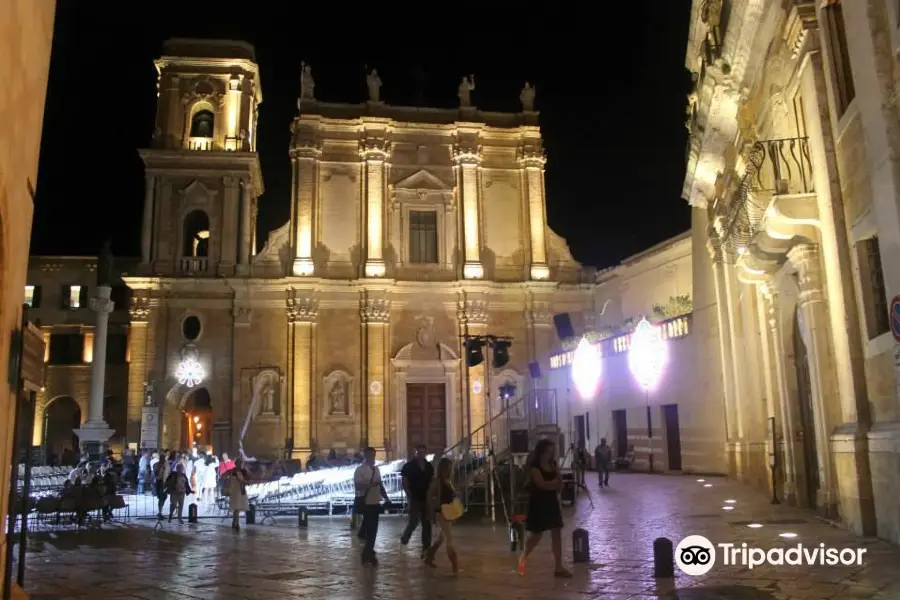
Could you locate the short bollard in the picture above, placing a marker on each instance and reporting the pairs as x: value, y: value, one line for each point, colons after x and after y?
x: 192, y: 513
x: 581, y: 550
x: 663, y: 558
x: 251, y: 515
x: 302, y: 517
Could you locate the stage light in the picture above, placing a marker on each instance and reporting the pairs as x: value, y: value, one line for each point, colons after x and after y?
x: 508, y: 391
x: 501, y: 353
x: 474, y: 353
x: 647, y: 356
x: 586, y: 367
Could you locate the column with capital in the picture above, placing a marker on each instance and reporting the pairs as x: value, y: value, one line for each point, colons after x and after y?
x: 147, y: 224
x: 247, y: 224
x: 715, y: 251
x: 374, y: 151
x: 814, y: 332
x: 141, y: 352
x: 228, y: 249
x: 532, y: 161
x: 375, y: 317
x: 302, y: 313
x: 95, y: 432
x: 781, y: 398
x: 467, y: 156
x: 472, y: 317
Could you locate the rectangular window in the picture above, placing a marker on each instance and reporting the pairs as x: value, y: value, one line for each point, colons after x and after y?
x: 66, y: 349
x: 874, y: 294
x: 74, y: 296
x: 423, y: 243
x: 29, y: 296
x: 844, y: 91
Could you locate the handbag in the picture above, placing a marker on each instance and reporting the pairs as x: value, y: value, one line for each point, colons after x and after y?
x: 453, y: 510
x: 360, y: 501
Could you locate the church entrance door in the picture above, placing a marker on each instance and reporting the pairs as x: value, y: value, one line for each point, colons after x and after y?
x: 426, y: 416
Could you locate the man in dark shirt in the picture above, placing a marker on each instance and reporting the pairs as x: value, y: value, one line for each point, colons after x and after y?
x: 417, y: 475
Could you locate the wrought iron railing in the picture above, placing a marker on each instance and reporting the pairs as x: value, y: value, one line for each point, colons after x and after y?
x: 786, y: 167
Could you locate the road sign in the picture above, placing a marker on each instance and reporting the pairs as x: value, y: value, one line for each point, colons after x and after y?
x: 895, y: 317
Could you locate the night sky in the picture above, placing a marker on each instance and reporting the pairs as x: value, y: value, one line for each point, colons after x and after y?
x: 611, y: 89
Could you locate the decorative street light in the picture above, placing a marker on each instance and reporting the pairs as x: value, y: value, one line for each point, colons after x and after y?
x: 586, y: 368
x: 190, y: 372
x: 647, y: 359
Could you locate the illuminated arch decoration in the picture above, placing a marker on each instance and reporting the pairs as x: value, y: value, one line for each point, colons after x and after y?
x: 190, y: 372
x: 586, y: 369
x: 648, y: 354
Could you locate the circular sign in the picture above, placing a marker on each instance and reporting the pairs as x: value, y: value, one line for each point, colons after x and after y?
x: 895, y: 317
x: 476, y: 386
x: 375, y: 388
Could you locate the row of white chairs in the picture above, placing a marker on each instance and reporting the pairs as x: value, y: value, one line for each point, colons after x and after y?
x: 323, y: 482
x: 41, y: 471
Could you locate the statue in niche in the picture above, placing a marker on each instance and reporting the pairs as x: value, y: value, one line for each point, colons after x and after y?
x: 105, y: 265
x: 268, y: 399
x: 526, y: 97
x: 466, y: 87
x: 373, y: 82
x: 338, y: 405
x: 307, y: 83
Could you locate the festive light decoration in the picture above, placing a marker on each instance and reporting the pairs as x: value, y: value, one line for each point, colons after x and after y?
x: 190, y: 373
x: 586, y: 368
x: 648, y: 354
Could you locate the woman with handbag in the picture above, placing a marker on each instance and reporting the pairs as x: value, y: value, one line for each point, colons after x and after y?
x: 445, y: 504
x: 236, y: 488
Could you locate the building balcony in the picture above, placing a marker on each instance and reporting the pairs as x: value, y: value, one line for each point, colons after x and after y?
x: 201, y: 144
x: 786, y: 167
x: 193, y: 265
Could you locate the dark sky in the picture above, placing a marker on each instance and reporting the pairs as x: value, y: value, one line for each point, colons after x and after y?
x: 611, y: 89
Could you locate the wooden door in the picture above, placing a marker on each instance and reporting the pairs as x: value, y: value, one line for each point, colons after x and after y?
x: 426, y: 416
x: 620, y: 425
x: 673, y: 436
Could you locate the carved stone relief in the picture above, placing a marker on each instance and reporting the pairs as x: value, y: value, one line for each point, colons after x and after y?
x: 268, y: 385
x: 338, y: 390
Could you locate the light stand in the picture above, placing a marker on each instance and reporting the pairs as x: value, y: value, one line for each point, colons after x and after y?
x: 649, y: 427
x: 774, y: 464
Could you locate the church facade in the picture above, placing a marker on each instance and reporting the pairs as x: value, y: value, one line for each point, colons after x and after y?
x: 409, y: 228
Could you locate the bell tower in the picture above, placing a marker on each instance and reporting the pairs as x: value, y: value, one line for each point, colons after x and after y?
x: 202, y: 172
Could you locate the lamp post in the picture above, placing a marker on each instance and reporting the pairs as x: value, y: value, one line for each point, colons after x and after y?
x: 647, y: 359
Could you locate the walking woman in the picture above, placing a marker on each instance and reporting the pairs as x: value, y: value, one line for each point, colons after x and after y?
x: 544, y: 512
x: 443, y: 504
x: 236, y: 488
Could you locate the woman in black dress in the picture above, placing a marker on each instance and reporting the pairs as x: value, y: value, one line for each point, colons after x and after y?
x: 544, y: 512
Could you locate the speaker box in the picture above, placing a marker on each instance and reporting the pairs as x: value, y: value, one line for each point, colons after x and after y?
x: 563, y: 324
x: 518, y: 441
x: 535, y: 370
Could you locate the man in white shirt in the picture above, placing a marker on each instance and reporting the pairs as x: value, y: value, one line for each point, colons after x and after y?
x: 369, y: 492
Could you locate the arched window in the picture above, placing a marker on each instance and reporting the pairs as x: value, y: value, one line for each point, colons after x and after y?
x: 202, y: 124
x: 196, y: 235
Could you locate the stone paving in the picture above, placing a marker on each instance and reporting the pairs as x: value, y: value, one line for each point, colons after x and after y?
x: 209, y: 561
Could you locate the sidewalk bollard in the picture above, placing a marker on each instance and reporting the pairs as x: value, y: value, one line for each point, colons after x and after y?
x: 663, y: 558
x: 302, y: 514
x: 251, y: 515
x: 192, y: 513
x: 581, y: 550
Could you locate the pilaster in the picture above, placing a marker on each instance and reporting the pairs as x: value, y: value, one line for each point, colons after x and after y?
x: 147, y: 224
x: 302, y: 313
x: 532, y: 161
x: 228, y: 246
x: 246, y: 224
x: 539, y: 319
x: 304, y: 165
x: 141, y: 351
x: 814, y: 328
x: 375, y: 150
x: 472, y: 315
x: 467, y: 156
x: 375, y: 316
x: 782, y: 398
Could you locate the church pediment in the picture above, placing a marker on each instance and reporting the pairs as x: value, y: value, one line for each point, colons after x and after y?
x: 422, y: 180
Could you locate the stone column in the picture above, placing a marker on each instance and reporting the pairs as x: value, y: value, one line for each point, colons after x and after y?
x: 782, y: 397
x: 715, y: 251
x: 814, y: 326
x: 375, y: 152
x: 95, y: 432
x: 375, y: 316
x: 532, y: 160
x: 302, y: 312
x: 147, y: 224
x: 467, y: 156
x: 141, y: 350
x: 246, y: 224
x: 304, y: 161
x: 472, y: 316
x: 253, y: 222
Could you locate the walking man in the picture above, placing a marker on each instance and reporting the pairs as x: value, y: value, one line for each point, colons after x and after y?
x: 602, y: 458
x: 417, y: 475
x: 367, y: 480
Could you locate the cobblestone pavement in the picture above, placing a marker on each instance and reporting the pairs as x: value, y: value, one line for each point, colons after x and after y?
x: 209, y: 561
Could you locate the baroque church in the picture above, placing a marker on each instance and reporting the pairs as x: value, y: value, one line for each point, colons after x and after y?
x: 409, y: 228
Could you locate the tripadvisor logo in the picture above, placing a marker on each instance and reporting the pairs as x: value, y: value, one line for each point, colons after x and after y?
x: 695, y: 555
